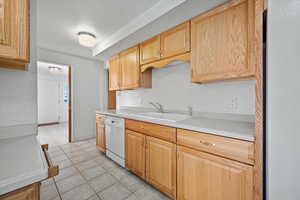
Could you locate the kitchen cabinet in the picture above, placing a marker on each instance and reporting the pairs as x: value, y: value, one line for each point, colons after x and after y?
x: 100, y: 133
x: 161, y: 165
x: 14, y: 34
x: 150, y: 50
x: 31, y: 192
x: 114, y: 73
x: 204, y: 176
x: 131, y: 76
x: 135, y: 152
x: 175, y: 41
x: 222, y: 45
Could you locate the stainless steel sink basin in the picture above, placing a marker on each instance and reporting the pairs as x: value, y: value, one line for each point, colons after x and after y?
x: 172, y: 117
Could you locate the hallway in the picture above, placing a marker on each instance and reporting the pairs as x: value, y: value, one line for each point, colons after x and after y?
x: 53, y: 135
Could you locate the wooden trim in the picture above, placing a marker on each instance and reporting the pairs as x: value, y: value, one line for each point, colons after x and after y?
x: 265, y: 4
x: 162, y: 63
x: 31, y: 192
x: 48, y: 124
x: 70, y: 104
x: 13, y: 65
x: 258, y: 145
x: 53, y: 170
x: 111, y: 102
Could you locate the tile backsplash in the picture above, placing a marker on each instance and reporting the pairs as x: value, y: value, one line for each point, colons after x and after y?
x: 172, y: 87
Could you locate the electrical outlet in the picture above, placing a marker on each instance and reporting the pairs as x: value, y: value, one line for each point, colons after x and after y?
x: 234, y: 104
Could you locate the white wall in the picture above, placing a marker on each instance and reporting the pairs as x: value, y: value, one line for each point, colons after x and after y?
x: 172, y: 87
x: 87, y: 90
x: 283, y: 100
x: 51, y: 107
x: 18, y: 92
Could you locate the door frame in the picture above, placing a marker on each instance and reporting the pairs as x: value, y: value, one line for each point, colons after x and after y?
x: 70, y: 122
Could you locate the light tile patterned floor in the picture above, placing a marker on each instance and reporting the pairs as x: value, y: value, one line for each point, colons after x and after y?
x: 87, y: 174
x: 54, y: 135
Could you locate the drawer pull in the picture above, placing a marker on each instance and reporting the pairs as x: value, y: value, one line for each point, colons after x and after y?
x: 207, y: 143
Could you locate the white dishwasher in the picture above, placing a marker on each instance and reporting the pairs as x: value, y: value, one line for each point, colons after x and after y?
x: 115, y: 139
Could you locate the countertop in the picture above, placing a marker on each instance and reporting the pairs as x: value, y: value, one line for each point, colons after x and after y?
x: 243, y: 130
x: 22, y: 163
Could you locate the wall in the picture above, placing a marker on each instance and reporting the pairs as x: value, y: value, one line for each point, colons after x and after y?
x: 283, y: 100
x: 172, y: 87
x: 18, y: 92
x: 51, y: 105
x: 87, y: 90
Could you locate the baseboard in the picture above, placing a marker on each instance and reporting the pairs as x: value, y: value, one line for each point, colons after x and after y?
x: 48, y: 124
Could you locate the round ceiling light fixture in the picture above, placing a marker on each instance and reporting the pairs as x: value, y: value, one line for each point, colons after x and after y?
x: 87, y: 39
x: 54, y: 69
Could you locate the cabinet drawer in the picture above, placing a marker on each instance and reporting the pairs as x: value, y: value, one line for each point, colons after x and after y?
x: 239, y: 150
x: 154, y: 130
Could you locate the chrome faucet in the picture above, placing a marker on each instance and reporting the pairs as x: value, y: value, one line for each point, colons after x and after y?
x: 158, y: 107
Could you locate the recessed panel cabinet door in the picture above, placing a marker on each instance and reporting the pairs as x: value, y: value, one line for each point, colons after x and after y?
x: 150, y: 50
x: 135, y: 152
x: 100, y: 133
x: 14, y: 30
x: 175, y: 41
x: 222, y: 43
x: 161, y: 165
x: 130, y: 68
x: 206, y: 177
x: 114, y: 73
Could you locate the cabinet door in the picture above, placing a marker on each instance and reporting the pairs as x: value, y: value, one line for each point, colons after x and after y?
x: 175, y: 41
x: 222, y: 43
x: 14, y: 30
x: 100, y: 134
x: 150, y: 50
x: 130, y: 68
x: 206, y: 177
x: 114, y: 73
x: 135, y: 153
x: 161, y: 165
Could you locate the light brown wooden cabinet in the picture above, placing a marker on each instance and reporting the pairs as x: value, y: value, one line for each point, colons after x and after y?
x: 114, y: 73
x: 175, y: 41
x: 31, y: 192
x: 100, y: 133
x: 161, y: 165
x: 125, y: 73
x: 205, y: 176
x: 14, y: 34
x: 150, y: 50
x: 135, y: 153
x: 222, y: 43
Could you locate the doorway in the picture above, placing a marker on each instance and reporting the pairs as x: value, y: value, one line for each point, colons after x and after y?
x: 54, y: 103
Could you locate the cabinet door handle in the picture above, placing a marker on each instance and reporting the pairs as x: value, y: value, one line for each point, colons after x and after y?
x: 207, y: 143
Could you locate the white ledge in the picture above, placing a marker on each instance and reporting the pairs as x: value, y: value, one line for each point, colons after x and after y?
x: 156, y: 11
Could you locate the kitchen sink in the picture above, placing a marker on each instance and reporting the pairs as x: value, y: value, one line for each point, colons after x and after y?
x: 172, y: 117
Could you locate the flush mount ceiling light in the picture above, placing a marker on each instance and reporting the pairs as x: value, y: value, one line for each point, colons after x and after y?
x: 87, y: 39
x: 54, y: 69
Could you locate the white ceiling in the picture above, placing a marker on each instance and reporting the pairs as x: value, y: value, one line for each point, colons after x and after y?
x: 59, y: 21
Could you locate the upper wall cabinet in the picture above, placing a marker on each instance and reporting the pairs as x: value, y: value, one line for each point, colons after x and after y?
x: 150, y: 50
x: 222, y: 43
x: 114, y: 73
x: 175, y: 41
x: 14, y: 33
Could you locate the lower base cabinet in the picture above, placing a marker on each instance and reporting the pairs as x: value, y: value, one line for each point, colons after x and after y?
x: 208, y: 177
x: 161, y: 165
x: 31, y: 192
x: 135, y: 153
x: 100, y: 133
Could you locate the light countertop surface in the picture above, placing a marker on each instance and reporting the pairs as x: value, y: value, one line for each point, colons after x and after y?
x: 233, y: 128
x: 22, y: 162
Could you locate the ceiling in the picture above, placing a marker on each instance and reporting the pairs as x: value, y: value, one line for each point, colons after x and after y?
x: 59, y: 21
